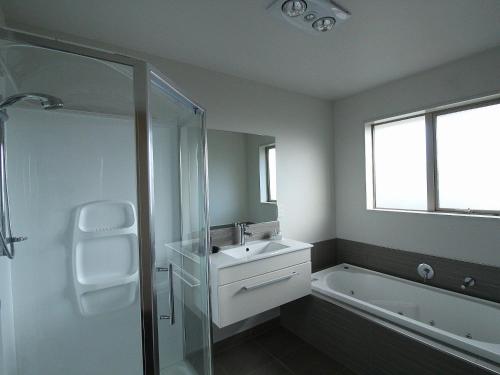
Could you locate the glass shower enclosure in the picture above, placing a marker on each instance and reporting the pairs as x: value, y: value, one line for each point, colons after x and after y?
x: 103, y: 208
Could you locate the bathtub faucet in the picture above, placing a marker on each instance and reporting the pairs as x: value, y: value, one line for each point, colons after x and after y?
x: 425, y: 271
x: 469, y: 282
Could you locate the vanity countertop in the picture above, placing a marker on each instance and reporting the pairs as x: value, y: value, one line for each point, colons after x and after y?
x: 222, y: 259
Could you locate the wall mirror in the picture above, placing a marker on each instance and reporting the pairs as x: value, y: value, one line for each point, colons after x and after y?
x: 242, y: 177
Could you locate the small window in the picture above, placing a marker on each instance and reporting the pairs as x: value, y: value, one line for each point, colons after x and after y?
x: 468, y: 159
x: 271, y: 172
x: 399, y: 164
x: 443, y: 160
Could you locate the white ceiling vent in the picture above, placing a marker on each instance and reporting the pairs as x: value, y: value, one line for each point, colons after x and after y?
x: 313, y: 16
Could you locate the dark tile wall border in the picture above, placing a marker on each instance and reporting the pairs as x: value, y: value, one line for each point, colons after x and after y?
x: 228, y: 236
x: 366, y: 347
x: 323, y: 255
x: 449, y: 273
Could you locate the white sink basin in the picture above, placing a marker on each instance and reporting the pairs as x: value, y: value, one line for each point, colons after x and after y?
x: 257, y: 250
x: 251, y: 250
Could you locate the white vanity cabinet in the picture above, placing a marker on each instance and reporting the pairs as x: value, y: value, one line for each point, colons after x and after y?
x: 251, y: 279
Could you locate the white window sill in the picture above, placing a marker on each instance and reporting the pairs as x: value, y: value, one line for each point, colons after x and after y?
x: 436, y: 213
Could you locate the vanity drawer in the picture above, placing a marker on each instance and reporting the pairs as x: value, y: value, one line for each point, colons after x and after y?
x: 248, y: 297
x: 252, y: 268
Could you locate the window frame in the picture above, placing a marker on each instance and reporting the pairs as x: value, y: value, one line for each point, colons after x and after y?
x: 430, y: 117
x: 268, y: 181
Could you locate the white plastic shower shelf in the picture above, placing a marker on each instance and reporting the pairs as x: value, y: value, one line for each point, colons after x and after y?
x: 105, y: 256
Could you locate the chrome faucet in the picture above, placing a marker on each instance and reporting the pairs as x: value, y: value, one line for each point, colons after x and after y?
x: 242, y: 233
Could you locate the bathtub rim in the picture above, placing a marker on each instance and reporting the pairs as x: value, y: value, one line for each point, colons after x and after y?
x: 411, y: 282
x: 449, y: 348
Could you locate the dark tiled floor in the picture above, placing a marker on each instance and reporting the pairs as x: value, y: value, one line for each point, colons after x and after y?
x: 275, y: 352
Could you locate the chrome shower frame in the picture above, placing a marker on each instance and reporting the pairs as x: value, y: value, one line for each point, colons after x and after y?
x: 6, y: 249
x: 145, y: 194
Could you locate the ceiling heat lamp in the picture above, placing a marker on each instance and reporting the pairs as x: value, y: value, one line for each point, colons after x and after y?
x: 312, y: 16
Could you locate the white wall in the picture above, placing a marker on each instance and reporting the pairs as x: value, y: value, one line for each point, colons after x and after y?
x: 467, y: 238
x: 303, y: 129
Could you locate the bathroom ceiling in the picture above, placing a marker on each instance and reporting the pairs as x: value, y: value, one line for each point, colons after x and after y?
x: 384, y: 40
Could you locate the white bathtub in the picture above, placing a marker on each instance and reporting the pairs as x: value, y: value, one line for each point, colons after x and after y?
x: 469, y: 324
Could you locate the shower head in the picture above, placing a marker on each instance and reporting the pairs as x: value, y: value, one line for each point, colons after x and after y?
x: 47, y: 101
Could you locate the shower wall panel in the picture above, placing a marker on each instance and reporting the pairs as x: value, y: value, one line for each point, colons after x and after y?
x: 7, y: 343
x: 58, y: 161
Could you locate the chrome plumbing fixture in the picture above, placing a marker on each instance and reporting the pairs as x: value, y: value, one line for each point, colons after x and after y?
x: 48, y: 102
x: 242, y: 233
x: 469, y: 282
x: 425, y: 271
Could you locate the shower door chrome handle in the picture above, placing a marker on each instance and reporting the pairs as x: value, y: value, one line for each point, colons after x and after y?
x: 171, y: 316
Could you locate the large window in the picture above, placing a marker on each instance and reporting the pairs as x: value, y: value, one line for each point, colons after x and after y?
x: 446, y: 160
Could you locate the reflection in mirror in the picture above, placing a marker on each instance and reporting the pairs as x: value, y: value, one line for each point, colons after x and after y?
x: 242, y: 176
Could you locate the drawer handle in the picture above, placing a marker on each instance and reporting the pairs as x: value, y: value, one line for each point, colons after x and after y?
x: 170, y: 317
x: 269, y: 282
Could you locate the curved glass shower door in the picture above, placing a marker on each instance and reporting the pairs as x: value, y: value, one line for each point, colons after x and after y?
x: 106, y: 178
x: 180, y: 226
x: 70, y: 296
